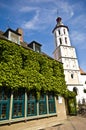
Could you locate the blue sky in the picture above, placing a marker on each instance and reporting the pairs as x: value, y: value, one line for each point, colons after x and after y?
x: 37, y: 18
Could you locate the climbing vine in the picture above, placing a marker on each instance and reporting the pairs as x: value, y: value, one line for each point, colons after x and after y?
x: 20, y: 67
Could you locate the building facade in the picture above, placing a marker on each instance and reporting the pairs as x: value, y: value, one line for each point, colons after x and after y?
x: 66, y: 53
x: 21, y: 105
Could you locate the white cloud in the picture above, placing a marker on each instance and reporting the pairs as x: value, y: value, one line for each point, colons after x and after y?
x: 28, y: 9
x: 41, y: 20
x: 32, y: 23
x: 45, y: 15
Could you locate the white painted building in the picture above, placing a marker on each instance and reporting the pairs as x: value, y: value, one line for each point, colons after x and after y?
x: 66, y: 53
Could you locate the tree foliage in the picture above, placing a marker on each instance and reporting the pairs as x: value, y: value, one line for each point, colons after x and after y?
x: 20, y: 67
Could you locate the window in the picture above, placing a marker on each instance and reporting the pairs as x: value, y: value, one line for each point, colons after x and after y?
x: 31, y: 105
x: 37, y: 49
x: 60, y: 40
x: 66, y: 40
x: 51, y: 103
x: 64, y: 31
x: 42, y: 105
x: 59, y: 32
x: 4, y: 103
x: 72, y: 76
x: 18, y: 104
x: 14, y: 38
x: 75, y: 90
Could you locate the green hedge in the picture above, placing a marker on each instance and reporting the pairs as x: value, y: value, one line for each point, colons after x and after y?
x: 72, y: 106
x: 20, y: 67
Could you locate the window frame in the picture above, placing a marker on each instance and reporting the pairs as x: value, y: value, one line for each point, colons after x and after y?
x: 50, y: 102
x: 32, y: 101
x: 19, y: 101
x: 44, y: 103
x: 4, y: 102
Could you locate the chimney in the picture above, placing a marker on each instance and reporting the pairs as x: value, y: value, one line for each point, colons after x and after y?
x: 20, y: 31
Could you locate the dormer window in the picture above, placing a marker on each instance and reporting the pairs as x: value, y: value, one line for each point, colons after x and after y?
x: 13, y: 36
x: 35, y: 46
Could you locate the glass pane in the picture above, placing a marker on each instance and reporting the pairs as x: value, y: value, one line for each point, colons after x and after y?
x: 42, y: 108
x: 17, y: 110
x: 31, y: 104
x: 31, y: 97
x: 20, y: 109
x: 4, y: 103
x: 51, y: 103
x: 18, y: 95
x: 18, y: 101
x: 31, y: 108
x: 51, y: 107
x: 3, y: 112
x: 0, y: 96
x: 42, y: 97
x: 5, y: 97
x: 15, y: 95
x: 50, y: 97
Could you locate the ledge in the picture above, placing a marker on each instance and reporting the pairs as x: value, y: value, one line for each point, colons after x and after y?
x: 16, y: 120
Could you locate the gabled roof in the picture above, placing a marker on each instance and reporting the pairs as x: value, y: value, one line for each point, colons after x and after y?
x: 35, y: 43
x: 9, y: 29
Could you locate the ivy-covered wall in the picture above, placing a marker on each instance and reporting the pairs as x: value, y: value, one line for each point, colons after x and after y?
x: 20, y: 67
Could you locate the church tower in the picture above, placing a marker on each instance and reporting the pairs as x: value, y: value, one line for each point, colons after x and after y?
x: 65, y: 53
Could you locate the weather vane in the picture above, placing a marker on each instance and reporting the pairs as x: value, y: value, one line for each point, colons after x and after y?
x: 57, y: 12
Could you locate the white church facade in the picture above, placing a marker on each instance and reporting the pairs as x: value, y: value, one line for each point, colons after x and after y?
x: 66, y: 53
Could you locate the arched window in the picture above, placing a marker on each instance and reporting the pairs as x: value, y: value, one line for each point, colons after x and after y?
x: 66, y: 40
x: 59, y: 32
x: 60, y: 40
x: 75, y: 90
x: 72, y: 76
